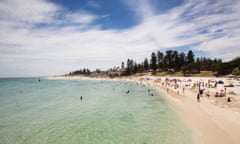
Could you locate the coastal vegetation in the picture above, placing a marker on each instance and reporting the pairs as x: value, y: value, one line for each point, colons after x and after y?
x: 171, y: 62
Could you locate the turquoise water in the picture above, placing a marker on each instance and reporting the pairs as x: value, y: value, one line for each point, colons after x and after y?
x: 51, y: 112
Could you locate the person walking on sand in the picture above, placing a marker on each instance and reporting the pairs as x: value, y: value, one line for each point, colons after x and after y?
x: 198, y: 97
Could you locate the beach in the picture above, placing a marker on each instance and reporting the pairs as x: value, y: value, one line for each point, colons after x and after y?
x: 212, y: 120
x: 120, y: 72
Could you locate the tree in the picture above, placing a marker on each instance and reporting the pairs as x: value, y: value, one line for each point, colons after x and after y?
x: 223, y: 68
x: 98, y: 71
x: 129, y: 69
x: 140, y: 67
x: 153, y: 64
x: 88, y: 71
x: 122, y: 65
x: 205, y: 63
x: 198, y: 64
x: 160, y: 57
x: 146, y: 64
x: 190, y: 57
x: 135, y: 67
x: 236, y: 71
x: 168, y: 59
x: 235, y: 63
x: 191, y: 68
x: 182, y: 59
x: 175, y: 59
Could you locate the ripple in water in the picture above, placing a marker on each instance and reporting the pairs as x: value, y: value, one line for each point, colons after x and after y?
x: 51, y: 111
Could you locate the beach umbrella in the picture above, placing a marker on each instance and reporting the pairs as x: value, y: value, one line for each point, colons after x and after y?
x: 220, y: 82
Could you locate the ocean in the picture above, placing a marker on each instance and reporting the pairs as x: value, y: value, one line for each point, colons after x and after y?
x: 52, y: 112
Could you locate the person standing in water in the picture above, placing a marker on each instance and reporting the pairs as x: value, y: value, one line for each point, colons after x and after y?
x: 81, y: 98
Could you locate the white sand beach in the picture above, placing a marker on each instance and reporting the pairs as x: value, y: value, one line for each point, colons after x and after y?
x: 212, y: 120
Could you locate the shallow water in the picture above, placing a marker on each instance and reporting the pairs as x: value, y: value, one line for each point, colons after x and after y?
x: 51, y: 112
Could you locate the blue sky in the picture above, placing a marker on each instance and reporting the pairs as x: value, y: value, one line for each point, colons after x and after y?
x: 47, y: 37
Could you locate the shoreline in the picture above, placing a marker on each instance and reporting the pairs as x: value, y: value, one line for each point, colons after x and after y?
x: 209, y: 123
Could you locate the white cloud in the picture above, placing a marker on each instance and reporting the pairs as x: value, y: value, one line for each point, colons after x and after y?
x: 28, y: 11
x: 142, y: 8
x: 93, y: 4
x: 71, y: 41
x: 80, y: 17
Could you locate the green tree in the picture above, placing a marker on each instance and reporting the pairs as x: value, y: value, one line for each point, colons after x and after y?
x: 198, y: 64
x: 160, y: 57
x: 223, y: 68
x: 88, y: 71
x: 168, y: 59
x: 140, y: 67
x: 182, y: 59
x: 135, y: 67
x: 191, y: 68
x: 235, y: 63
x: 153, y: 64
x: 129, y: 67
x: 176, y: 61
x: 122, y: 65
x: 146, y: 64
x: 236, y: 71
x: 190, y: 57
x: 205, y: 63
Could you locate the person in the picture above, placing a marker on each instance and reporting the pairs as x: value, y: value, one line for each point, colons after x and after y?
x: 183, y: 89
x: 229, y: 99
x: 81, y: 98
x: 225, y: 91
x: 198, y: 97
x: 208, y: 94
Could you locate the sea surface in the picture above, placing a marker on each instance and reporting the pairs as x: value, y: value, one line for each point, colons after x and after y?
x: 51, y: 112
